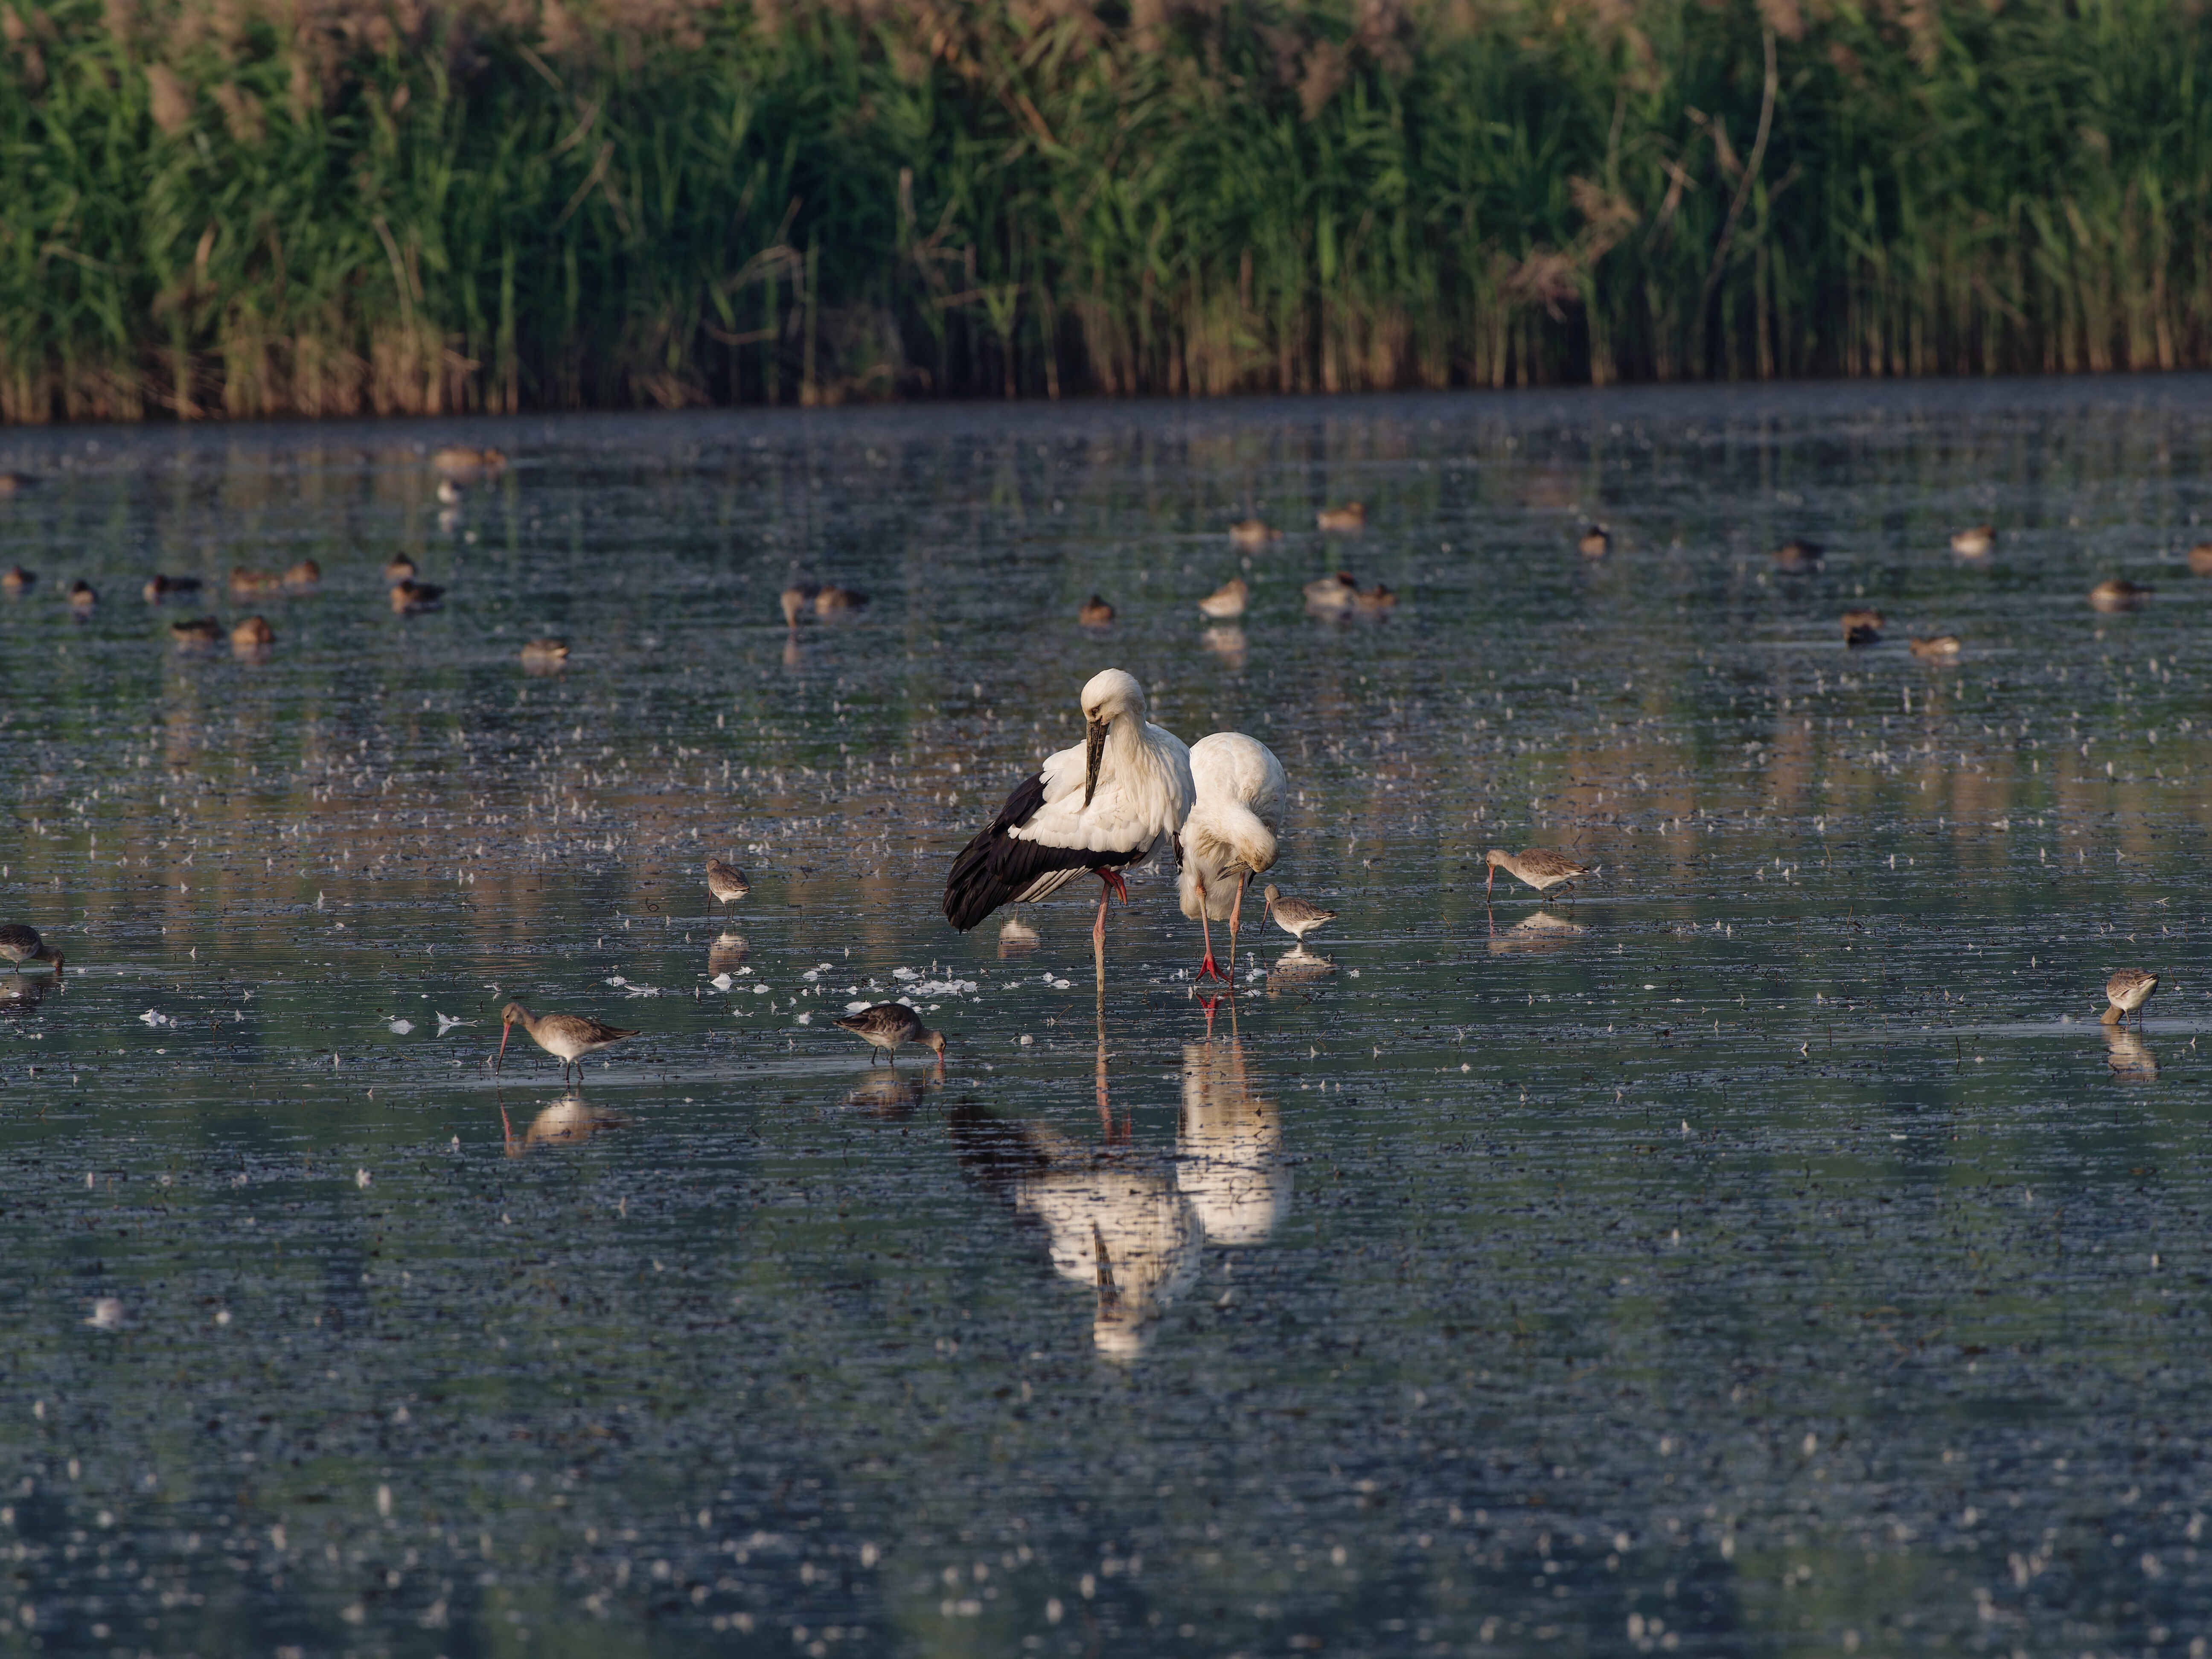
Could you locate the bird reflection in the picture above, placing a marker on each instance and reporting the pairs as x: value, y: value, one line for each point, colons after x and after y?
x: 1227, y: 643
x: 1018, y: 938
x: 1538, y: 931
x: 1230, y: 1142
x: 22, y: 993
x: 2130, y: 1056
x: 568, y: 1121
x: 727, y: 954
x: 1297, y: 966
x: 890, y: 1095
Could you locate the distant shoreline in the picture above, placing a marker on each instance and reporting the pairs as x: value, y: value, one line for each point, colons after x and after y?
x: 223, y: 213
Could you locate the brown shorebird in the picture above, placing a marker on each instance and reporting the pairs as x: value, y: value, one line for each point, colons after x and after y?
x: 2118, y: 593
x: 459, y: 461
x: 245, y: 583
x: 20, y: 945
x: 540, y: 656
x: 833, y: 600
x: 1331, y: 596
x: 2200, y: 559
x: 1798, y: 555
x: 1596, y: 541
x: 303, y: 575
x: 1976, y: 541
x: 1227, y: 600
x: 1342, y: 520
x: 1253, y: 534
x: 2127, y: 991
x: 1294, y: 915
x: 1942, y: 648
x: 1096, y: 613
x: 1373, y: 601
x: 399, y: 568
x: 567, y: 1037
x: 411, y: 596
x: 1539, y: 866
x: 200, y: 630
x: 725, y: 882
x: 888, y: 1025
x: 1863, y: 626
x: 15, y: 580
x: 13, y: 483
x: 160, y: 588
x: 254, y: 634
x: 82, y: 598
x: 797, y: 599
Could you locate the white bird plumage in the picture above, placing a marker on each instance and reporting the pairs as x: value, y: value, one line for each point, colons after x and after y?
x: 1229, y: 835
x: 1106, y: 805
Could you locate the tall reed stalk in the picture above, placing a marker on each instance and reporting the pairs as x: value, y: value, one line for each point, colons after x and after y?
x: 249, y: 207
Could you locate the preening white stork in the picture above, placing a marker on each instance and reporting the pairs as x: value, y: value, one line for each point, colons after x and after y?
x: 1229, y: 835
x: 1104, y: 805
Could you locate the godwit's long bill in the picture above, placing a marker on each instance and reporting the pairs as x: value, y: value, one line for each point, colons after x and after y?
x: 1229, y: 835
x: 1105, y: 804
x: 567, y: 1037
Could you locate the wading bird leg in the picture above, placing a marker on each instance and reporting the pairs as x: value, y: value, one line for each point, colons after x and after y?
x: 1237, y: 921
x: 1206, y: 969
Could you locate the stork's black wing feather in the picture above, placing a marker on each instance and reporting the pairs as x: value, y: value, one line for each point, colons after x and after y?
x: 996, y: 866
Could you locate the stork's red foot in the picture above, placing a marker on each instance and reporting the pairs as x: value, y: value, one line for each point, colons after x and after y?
x: 1113, y: 879
x: 1211, y: 969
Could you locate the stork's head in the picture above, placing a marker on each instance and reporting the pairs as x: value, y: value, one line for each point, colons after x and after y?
x: 1107, y: 696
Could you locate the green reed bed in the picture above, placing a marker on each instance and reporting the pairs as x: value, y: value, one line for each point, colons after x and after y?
x: 248, y: 207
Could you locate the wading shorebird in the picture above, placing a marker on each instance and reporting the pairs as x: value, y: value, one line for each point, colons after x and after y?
x: 1342, y: 520
x: 302, y: 576
x: 1105, y: 806
x: 725, y: 882
x: 1596, y: 541
x: 2200, y: 559
x: 1096, y: 613
x: 1227, y: 600
x: 567, y: 1037
x: 82, y: 598
x: 13, y: 483
x: 797, y: 599
x: 200, y: 630
x: 399, y: 568
x: 1229, y: 835
x: 2127, y: 991
x: 460, y: 461
x: 409, y: 597
x: 2118, y: 593
x: 254, y: 634
x: 16, y: 580
x: 20, y: 945
x: 245, y: 583
x: 1942, y: 648
x: 160, y: 588
x: 1294, y: 915
x: 1863, y: 626
x: 541, y: 656
x: 1331, y: 596
x: 889, y: 1024
x: 1976, y: 541
x: 1798, y: 555
x: 1539, y: 866
x: 1374, y: 601
x: 836, y: 601
x: 1253, y: 534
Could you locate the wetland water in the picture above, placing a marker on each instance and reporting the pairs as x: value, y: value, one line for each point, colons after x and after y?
x: 1766, y: 1251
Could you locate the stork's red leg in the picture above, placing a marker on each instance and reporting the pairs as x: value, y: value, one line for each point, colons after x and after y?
x: 1207, y: 969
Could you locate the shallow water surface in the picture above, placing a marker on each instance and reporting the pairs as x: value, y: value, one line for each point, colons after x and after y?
x: 1762, y: 1250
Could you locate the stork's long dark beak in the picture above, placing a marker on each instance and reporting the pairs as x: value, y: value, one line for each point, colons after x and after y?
x: 1094, y: 745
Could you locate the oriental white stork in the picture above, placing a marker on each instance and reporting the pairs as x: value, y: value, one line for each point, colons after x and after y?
x: 1104, y: 805
x: 1229, y: 835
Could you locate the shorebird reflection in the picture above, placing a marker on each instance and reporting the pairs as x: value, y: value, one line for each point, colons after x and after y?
x: 1538, y: 931
x: 2129, y: 1056
x: 568, y: 1121
x: 727, y: 954
x: 1297, y: 966
x: 1230, y: 1146
x: 890, y: 1095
